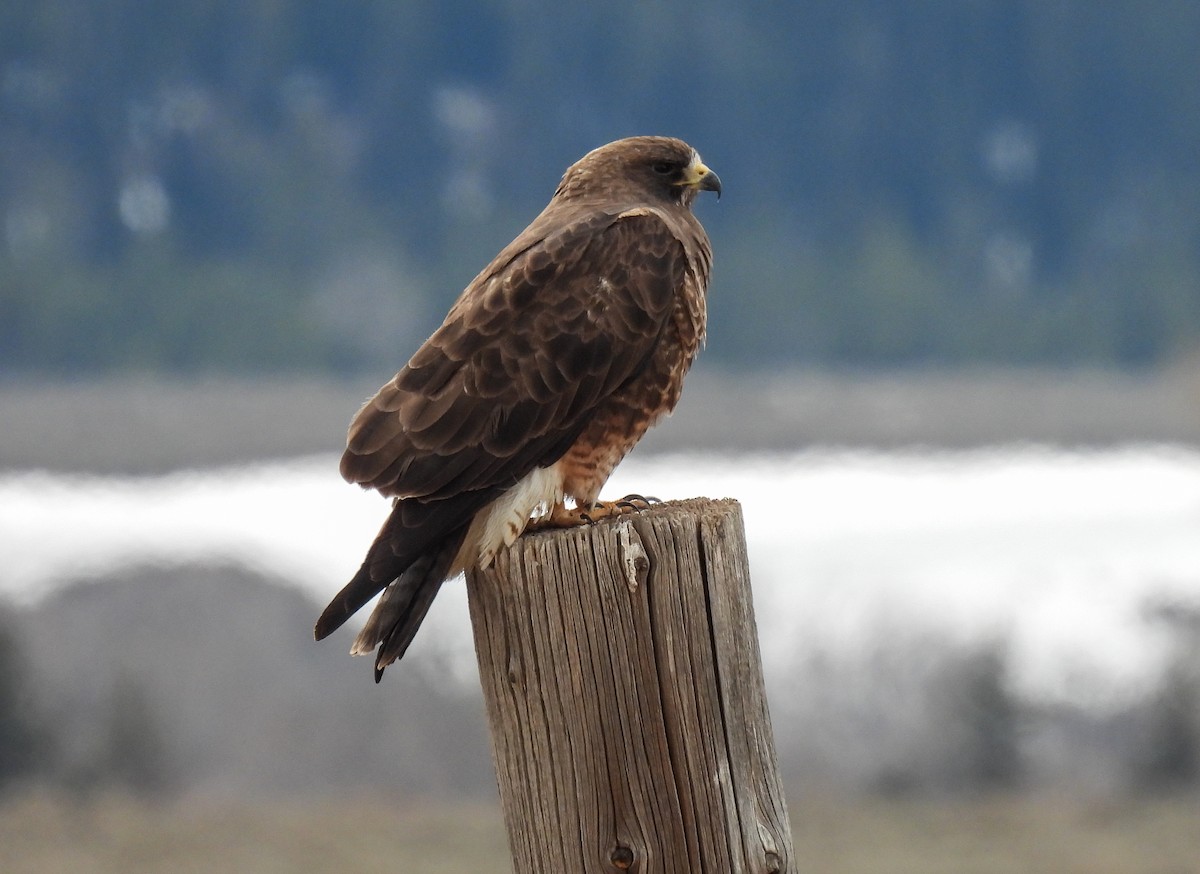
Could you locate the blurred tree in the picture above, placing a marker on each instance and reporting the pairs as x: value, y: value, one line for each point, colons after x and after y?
x: 1006, y: 181
x: 20, y: 741
x: 990, y: 721
x: 1169, y: 758
x: 134, y: 756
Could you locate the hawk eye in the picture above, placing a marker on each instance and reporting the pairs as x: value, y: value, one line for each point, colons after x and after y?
x: 663, y: 168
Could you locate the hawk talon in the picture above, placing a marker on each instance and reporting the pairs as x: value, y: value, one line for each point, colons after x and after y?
x: 635, y: 499
x: 636, y: 503
x: 561, y: 517
x: 621, y: 507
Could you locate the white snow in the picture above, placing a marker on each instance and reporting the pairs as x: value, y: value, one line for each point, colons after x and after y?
x: 1059, y: 552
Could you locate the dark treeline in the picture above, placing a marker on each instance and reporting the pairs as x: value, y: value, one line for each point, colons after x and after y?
x: 255, y: 186
x: 103, y: 687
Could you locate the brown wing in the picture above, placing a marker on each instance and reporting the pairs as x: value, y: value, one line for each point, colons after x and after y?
x: 549, y: 330
x: 509, y: 380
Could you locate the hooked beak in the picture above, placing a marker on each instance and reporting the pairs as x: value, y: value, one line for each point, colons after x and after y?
x: 698, y: 176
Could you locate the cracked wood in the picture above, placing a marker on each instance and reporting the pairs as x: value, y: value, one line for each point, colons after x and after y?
x: 621, y: 672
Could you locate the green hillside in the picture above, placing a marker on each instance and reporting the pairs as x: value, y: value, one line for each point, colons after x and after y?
x: 260, y: 187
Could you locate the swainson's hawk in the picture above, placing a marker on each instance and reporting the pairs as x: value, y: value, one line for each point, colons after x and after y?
x: 549, y: 368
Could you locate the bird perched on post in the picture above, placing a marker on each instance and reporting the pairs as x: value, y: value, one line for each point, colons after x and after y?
x: 549, y: 368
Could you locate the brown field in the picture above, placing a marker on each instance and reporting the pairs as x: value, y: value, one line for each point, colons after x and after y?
x: 44, y: 834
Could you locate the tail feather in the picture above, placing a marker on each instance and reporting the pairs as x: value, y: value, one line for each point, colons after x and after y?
x: 361, y: 589
x: 404, y: 604
x: 383, y: 564
x: 413, y: 529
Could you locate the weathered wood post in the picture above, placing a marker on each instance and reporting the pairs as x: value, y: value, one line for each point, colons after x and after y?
x: 623, y: 683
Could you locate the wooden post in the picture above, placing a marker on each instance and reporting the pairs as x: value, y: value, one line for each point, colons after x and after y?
x: 623, y: 684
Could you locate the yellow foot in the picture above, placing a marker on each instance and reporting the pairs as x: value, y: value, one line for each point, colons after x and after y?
x: 561, y: 517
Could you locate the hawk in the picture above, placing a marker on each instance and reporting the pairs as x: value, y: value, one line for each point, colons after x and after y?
x: 549, y: 368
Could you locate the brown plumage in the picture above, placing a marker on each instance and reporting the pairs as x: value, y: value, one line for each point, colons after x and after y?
x: 550, y: 366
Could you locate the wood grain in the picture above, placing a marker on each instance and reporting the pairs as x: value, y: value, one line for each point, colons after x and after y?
x: 621, y: 671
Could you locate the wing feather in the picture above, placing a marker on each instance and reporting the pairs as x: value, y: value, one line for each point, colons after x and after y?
x: 527, y: 352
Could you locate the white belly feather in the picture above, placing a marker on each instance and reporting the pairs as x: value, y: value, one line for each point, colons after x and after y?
x: 500, y: 524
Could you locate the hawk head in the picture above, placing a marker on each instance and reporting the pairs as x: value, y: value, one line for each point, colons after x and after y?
x: 639, y: 169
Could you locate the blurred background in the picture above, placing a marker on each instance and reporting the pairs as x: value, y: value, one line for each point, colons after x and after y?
x: 953, y: 374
